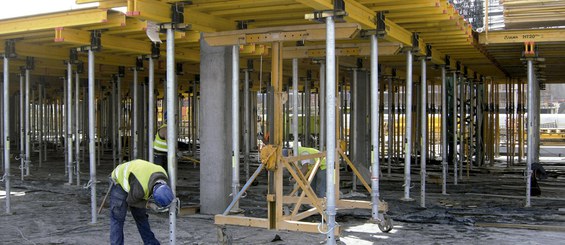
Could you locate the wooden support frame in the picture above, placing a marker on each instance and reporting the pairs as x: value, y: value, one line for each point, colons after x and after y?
x: 293, y: 221
x: 276, y: 219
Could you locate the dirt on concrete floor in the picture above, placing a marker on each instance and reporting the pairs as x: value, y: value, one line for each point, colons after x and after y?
x: 45, y: 210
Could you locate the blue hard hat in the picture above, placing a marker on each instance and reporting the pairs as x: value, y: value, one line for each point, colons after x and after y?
x: 163, y: 195
x: 285, y: 152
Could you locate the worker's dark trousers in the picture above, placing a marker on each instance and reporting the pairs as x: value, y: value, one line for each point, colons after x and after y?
x: 118, y: 211
x: 160, y: 158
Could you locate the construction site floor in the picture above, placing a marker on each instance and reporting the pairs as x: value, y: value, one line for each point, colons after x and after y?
x: 485, y: 208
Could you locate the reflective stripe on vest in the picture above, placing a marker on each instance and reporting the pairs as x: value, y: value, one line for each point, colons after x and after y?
x: 312, y: 151
x: 141, y: 169
x: 160, y: 144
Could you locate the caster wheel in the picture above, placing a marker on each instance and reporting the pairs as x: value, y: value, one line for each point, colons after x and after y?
x: 223, y: 237
x: 386, y: 224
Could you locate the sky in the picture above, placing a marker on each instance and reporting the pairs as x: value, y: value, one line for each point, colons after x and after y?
x: 18, y: 8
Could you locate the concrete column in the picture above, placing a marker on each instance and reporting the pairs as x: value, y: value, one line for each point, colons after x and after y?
x: 360, y: 112
x: 215, y: 139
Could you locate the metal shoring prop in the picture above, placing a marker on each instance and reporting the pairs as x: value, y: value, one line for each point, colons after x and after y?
x: 307, y: 112
x: 98, y: 103
x: 375, y: 154
x: 151, y: 110
x: 6, y: 122
x: 382, y: 87
x: 322, y: 105
x: 84, y: 121
x: 330, y: 129
x: 443, y: 132
x: 508, y: 123
x: 455, y: 161
x: 536, y: 108
x: 390, y: 145
x: 135, y: 121
x: 77, y: 135
x: 316, y: 118
x: 40, y: 120
x: 22, y: 132
x: 246, y: 123
x: 462, y: 119
x: 2, y: 128
x: 144, y: 138
x: 91, y: 143
x: 401, y: 120
x: 355, y: 118
x: 530, y: 148
x: 172, y: 131
x: 27, y: 126
x: 408, y: 126
x: 195, y: 117
x: 69, y: 121
x: 114, y: 125
x: 295, y: 106
x: 43, y: 106
x: 235, y: 123
x: 119, y: 117
x: 424, y: 133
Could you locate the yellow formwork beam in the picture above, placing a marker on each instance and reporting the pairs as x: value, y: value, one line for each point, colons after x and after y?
x: 112, y: 4
x: 149, y: 10
x: 58, y: 53
x: 238, y: 12
x: 315, y: 32
x: 49, y: 21
x: 423, y: 13
x: 209, y: 5
x: 187, y: 37
x: 160, y: 12
x: 404, y: 7
x: 131, y: 25
x: 362, y: 49
x: 186, y: 54
x: 115, y: 19
x: 520, y: 36
x: 81, y: 37
x: 205, y: 22
x: 317, y: 4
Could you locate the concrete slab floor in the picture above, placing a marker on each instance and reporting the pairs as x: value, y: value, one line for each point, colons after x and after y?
x: 47, y: 211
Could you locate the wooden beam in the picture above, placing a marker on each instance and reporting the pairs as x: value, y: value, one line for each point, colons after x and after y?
x: 292, y: 225
x: 241, y: 221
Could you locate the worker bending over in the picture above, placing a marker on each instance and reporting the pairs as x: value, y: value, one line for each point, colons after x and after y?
x: 319, y: 181
x: 134, y: 183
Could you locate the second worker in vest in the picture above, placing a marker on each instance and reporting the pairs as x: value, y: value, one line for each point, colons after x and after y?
x: 319, y: 181
x: 134, y: 184
x: 160, y: 147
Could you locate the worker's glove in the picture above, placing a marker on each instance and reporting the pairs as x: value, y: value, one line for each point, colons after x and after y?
x: 155, y: 208
x: 111, y: 180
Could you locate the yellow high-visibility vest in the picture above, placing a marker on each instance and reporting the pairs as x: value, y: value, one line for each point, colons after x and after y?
x: 160, y: 144
x: 302, y: 150
x: 141, y: 169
